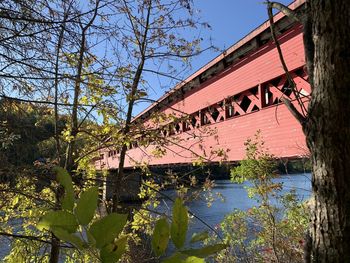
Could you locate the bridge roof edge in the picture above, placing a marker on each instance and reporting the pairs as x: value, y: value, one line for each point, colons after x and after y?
x: 249, y: 37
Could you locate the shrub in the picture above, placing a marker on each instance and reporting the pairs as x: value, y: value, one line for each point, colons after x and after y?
x: 271, y: 231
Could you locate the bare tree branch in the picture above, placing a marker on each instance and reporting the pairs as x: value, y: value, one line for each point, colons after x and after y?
x: 285, y: 10
x: 293, y: 110
x: 33, y: 238
x: 44, y: 102
x: 291, y: 82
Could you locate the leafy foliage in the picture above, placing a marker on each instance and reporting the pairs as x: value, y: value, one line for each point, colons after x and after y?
x: 102, y: 233
x: 197, y: 237
x: 86, y: 206
x: 177, y: 233
x: 160, y: 238
x: 54, y: 59
x: 272, y: 231
x: 82, y: 230
x: 26, y: 133
x: 58, y: 219
x: 179, y: 224
x: 105, y: 230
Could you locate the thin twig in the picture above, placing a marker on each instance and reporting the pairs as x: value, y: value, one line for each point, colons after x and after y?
x: 189, y: 211
x: 43, y: 102
x: 33, y: 238
x: 299, y: 116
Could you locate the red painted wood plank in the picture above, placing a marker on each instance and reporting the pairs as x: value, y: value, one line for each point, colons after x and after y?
x: 281, y: 132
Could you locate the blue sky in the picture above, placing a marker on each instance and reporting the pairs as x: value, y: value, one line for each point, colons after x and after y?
x: 230, y: 20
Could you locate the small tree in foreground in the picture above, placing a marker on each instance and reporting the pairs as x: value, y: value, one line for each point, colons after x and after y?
x: 274, y: 229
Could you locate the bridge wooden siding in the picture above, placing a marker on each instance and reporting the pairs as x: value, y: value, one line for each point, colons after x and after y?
x: 232, y: 104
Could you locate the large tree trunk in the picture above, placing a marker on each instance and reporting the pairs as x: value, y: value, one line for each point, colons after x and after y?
x: 328, y: 130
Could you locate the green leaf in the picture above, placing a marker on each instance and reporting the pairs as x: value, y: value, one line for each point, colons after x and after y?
x: 65, y: 180
x: 86, y: 206
x: 160, y: 238
x: 179, y: 223
x: 61, y: 219
x: 105, y: 230
x: 15, y: 200
x: 68, y: 237
x: 91, y: 239
x: 67, y: 202
x: 196, y: 237
x: 113, y: 252
x: 181, y: 258
x: 205, y: 251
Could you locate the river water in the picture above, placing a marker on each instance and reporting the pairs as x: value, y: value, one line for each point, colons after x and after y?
x: 234, y: 195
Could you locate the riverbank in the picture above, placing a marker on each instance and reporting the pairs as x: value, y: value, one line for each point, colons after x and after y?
x: 221, y: 171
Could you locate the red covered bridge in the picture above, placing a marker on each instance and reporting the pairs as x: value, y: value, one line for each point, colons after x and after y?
x: 227, y: 101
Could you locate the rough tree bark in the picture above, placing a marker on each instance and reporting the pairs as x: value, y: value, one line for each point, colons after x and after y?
x: 327, y: 130
x: 327, y: 125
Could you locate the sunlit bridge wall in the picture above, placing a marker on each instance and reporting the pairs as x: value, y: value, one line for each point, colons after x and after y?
x: 227, y: 101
